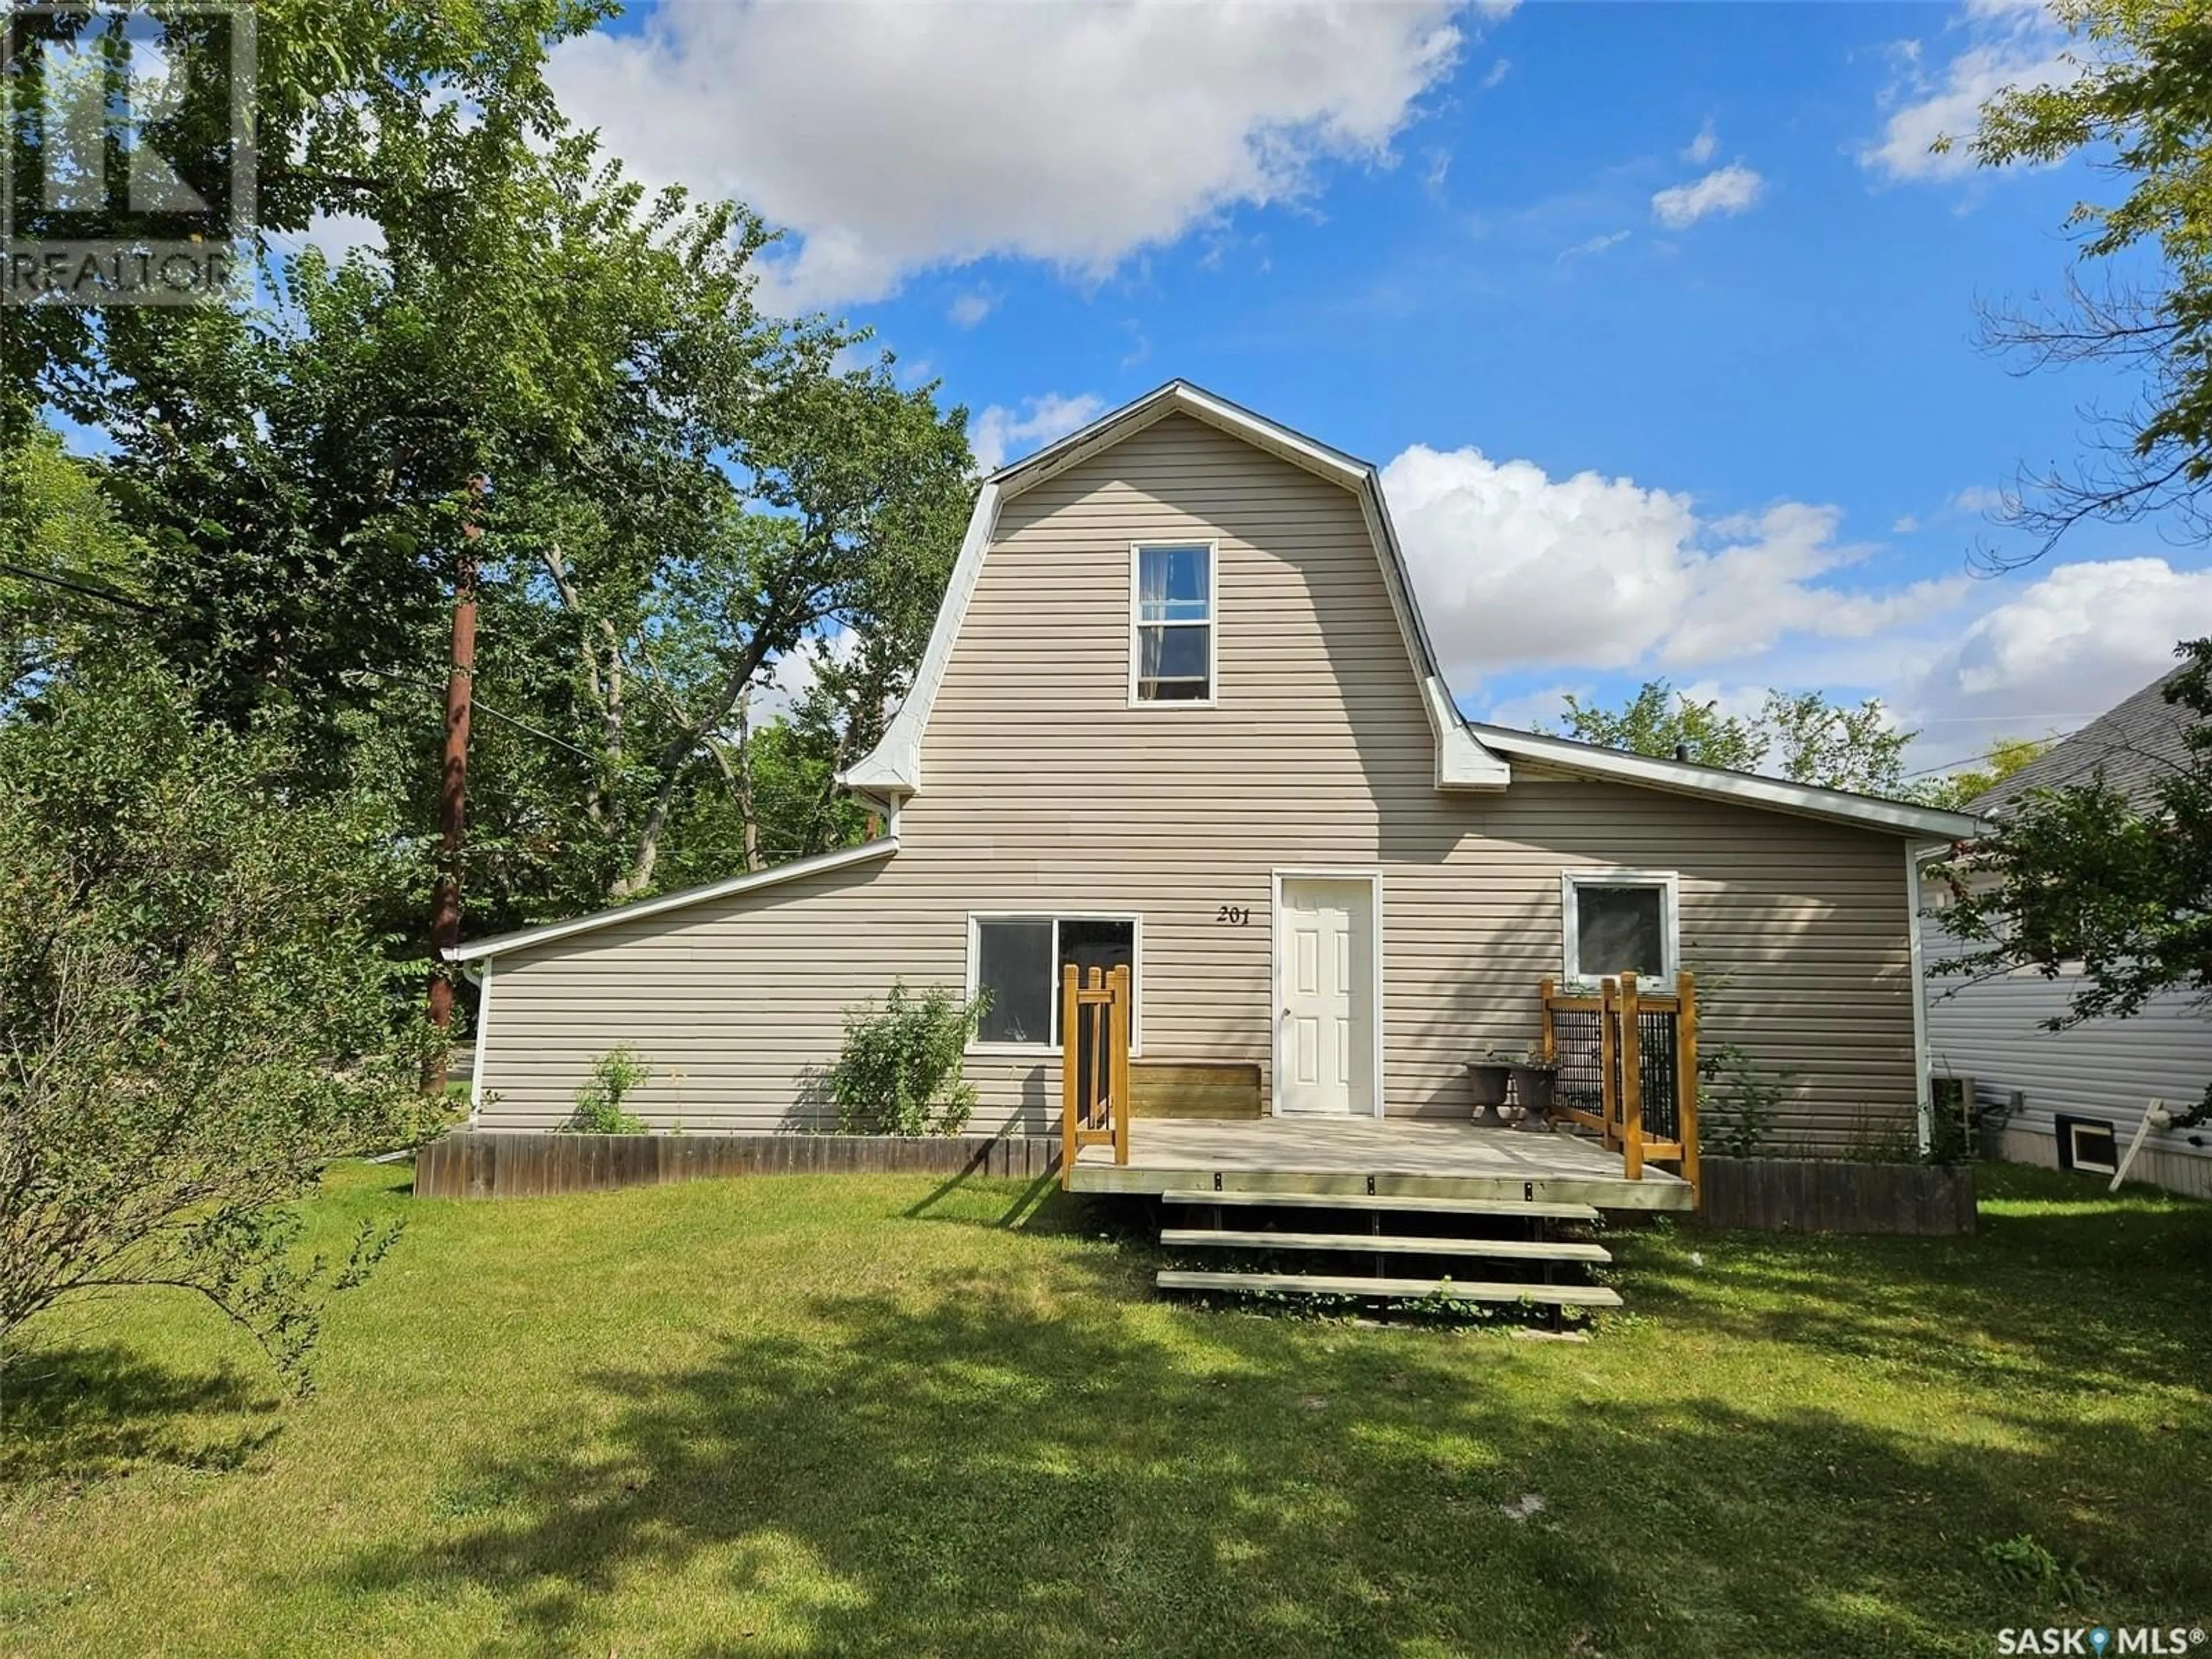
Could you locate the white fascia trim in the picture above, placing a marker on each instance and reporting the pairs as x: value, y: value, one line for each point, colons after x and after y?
x: 751, y: 881
x: 894, y: 766
x: 1776, y: 794
x: 1463, y: 763
x: 483, y: 977
x: 1156, y: 406
x: 1923, y: 1090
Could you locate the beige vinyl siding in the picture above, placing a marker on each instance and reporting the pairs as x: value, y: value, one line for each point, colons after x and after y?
x: 1044, y: 790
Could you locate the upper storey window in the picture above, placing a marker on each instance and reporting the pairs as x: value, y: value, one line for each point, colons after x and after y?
x: 1171, y: 623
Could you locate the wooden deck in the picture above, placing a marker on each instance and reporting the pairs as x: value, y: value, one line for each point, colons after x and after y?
x: 1411, y: 1157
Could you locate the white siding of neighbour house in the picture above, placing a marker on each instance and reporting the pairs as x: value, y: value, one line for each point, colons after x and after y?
x: 1045, y: 791
x: 1992, y: 1030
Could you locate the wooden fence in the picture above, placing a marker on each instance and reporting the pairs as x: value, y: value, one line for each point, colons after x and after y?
x: 478, y: 1163
x: 1627, y: 1062
x: 1781, y: 1195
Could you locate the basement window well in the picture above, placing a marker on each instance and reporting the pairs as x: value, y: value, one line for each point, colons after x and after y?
x: 2088, y: 1145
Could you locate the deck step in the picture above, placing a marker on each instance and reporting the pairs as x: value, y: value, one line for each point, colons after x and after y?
x: 1257, y: 1196
x: 1395, y: 1243
x: 1577, y: 1296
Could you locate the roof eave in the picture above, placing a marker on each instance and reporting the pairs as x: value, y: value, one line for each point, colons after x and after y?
x: 753, y: 881
x: 1745, y: 789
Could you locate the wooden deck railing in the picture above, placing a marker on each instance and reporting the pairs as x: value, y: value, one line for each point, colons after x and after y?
x: 1627, y: 1062
x: 1094, y: 1064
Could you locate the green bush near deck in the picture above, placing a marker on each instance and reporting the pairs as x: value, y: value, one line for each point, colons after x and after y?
x: 796, y: 1415
x: 899, y: 1073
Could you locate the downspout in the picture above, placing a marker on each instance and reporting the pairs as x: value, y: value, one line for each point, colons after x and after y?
x: 1922, y: 1095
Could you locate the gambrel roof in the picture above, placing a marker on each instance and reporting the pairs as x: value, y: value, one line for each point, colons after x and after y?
x: 1469, y: 756
x: 894, y: 769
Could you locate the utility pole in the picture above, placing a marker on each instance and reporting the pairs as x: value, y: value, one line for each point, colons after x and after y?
x: 453, y: 790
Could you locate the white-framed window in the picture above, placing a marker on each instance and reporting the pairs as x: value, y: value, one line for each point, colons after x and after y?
x: 1018, y: 957
x: 1621, y: 922
x: 1171, y: 623
x: 2088, y: 1145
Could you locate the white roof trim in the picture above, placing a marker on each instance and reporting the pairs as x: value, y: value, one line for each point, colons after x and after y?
x: 1777, y: 794
x: 894, y: 767
x: 753, y: 881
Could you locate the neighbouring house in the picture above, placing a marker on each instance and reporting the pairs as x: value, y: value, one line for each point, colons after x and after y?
x: 2075, y: 1098
x: 1179, y: 712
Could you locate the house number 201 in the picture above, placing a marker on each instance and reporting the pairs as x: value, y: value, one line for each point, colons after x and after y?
x: 1233, y: 916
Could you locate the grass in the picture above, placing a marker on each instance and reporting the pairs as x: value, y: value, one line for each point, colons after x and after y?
x: 869, y: 1416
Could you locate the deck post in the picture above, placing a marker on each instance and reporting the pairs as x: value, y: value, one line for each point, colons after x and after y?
x: 1609, y: 1066
x: 1685, y: 1077
x: 1631, y: 1082
x: 1547, y: 1039
x: 1071, y: 1066
x: 1120, y: 1098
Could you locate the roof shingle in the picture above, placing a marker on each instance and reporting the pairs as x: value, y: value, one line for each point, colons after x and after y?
x: 2136, y: 742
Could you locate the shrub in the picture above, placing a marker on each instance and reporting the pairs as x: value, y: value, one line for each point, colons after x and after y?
x: 599, y: 1111
x: 1742, y: 1102
x: 899, y: 1072
x: 198, y: 1011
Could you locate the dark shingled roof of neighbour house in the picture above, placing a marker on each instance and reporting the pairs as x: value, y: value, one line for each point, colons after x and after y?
x: 2135, y: 743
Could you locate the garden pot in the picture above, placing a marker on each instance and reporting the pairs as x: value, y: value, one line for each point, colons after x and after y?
x: 1486, y: 1083
x: 1531, y: 1093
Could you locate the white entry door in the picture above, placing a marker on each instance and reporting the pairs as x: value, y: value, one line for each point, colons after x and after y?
x: 1325, y: 1048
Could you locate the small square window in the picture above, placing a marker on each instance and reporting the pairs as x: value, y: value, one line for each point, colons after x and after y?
x: 1171, y: 624
x: 1620, y: 923
x: 2088, y: 1145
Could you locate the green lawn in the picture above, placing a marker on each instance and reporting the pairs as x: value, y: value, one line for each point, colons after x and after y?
x: 799, y: 1415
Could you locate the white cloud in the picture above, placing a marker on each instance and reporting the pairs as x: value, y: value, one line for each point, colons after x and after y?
x: 1496, y: 73
x: 2069, y: 644
x: 999, y: 435
x: 1700, y: 150
x: 1906, y: 525
x: 1594, y: 245
x: 1731, y: 189
x: 1517, y: 569
x: 2007, y: 43
x: 896, y: 137
x: 1977, y: 498
x: 972, y: 308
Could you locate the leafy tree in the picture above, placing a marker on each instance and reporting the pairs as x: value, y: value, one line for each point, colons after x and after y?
x: 1956, y: 790
x: 1838, y: 748
x: 1797, y: 735
x: 69, y: 570
x: 194, y: 1016
x: 2079, y: 880
x: 2143, y: 94
x: 1659, y: 720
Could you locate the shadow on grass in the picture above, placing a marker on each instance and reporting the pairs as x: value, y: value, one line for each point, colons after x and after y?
x: 80, y: 1413
x: 970, y: 1471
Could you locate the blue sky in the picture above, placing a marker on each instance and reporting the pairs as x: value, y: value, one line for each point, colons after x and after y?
x: 1659, y: 317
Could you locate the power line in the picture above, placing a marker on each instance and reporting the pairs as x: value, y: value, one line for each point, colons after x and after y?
x: 108, y: 595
